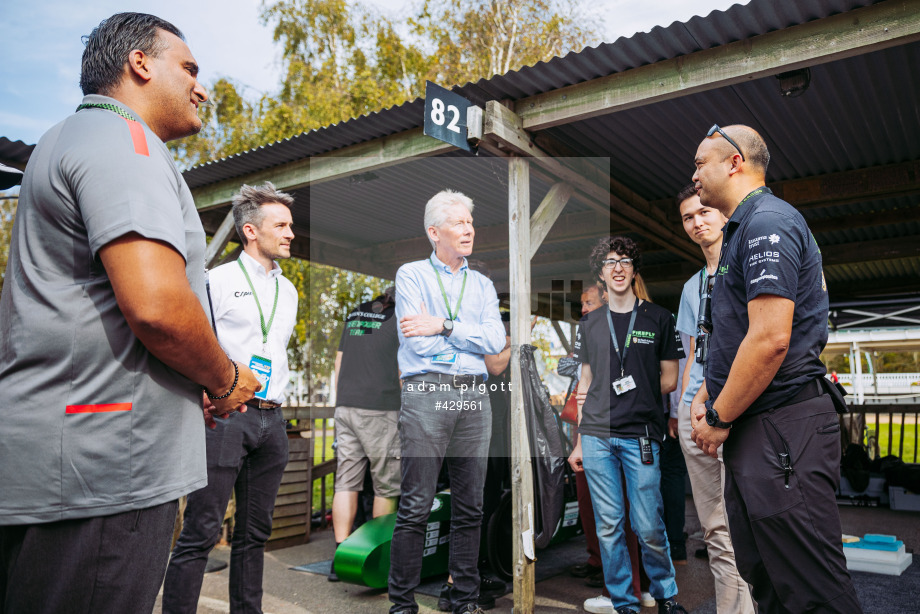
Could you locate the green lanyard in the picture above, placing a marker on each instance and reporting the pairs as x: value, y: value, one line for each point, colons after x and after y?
x: 265, y: 328
x: 451, y: 315
x: 107, y: 107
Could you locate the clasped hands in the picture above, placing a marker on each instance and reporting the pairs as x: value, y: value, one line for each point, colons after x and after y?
x: 707, y: 438
x: 247, y: 386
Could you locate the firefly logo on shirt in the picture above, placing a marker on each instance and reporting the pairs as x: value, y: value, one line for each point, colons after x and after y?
x: 644, y: 337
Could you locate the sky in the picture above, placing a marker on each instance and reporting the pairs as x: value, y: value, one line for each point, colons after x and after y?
x: 40, y: 46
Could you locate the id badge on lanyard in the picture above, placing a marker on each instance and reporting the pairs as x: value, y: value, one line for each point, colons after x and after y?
x: 262, y: 368
x: 626, y: 382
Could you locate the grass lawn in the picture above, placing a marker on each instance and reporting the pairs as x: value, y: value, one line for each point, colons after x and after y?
x: 323, y: 444
x: 910, y: 439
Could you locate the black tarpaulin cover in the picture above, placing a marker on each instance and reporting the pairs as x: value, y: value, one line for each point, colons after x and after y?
x: 546, y: 451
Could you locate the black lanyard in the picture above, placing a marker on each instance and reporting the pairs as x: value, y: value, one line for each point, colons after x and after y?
x: 616, y: 346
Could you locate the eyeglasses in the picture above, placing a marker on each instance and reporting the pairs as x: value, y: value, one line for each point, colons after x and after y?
x: 715, y: 128
x: 626, y: 263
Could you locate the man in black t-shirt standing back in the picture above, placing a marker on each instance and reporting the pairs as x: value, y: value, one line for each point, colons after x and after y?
x: 629, y: 353
x: 366, y: 413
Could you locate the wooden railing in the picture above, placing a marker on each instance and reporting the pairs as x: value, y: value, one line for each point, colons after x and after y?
x: 310, y: 460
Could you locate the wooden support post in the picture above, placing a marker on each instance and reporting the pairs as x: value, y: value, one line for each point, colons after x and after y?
x: 547, y: 213
x: 219, y: 241
x: 521, y: 464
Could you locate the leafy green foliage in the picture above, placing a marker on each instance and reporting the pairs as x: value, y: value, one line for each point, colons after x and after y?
x: 7, y: 217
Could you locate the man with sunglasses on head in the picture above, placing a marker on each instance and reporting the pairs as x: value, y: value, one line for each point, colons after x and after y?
x: 629, y: 353
x: 765, y: 396
x: 704, y: 226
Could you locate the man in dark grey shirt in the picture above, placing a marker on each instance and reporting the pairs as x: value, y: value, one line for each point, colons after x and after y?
x: 101, y: 421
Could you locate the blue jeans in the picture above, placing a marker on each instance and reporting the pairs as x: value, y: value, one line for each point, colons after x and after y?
x: 605, y: 460
x: 429, y: 435
x: 246, y: 453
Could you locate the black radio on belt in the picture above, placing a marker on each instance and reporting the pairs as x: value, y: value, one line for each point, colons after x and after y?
x: 704, y: 320
x: 645, y: 449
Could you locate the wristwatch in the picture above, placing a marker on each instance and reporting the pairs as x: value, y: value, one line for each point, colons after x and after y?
x: 448, y: 328
x: 712, y: 417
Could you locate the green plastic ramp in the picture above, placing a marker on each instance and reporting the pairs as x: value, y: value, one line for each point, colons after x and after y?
x: 364, y: 557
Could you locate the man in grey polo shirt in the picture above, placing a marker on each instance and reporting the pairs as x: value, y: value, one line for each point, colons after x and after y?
x: 105, y: 343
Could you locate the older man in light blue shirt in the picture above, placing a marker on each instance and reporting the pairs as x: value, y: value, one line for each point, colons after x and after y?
x: 448, y: 321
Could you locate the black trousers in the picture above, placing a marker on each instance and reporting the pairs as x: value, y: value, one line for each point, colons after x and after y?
x: 103, y: 565
x: 247, y: 454
x: 784, y: 525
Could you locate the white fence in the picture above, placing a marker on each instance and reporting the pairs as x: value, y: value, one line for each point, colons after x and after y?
x: 883, y: 383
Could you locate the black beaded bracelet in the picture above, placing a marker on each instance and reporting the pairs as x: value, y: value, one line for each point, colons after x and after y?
x: 236, y: 378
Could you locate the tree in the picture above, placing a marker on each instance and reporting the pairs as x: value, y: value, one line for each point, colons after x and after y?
x: 7, y: 217
x: 326, y: 296
x: 229, y: 124
x: 476, y: 39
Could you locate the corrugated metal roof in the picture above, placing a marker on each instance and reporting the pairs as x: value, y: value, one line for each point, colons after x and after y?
x: 14, y: 153
x: 860, y: 112
x: 717, y: 28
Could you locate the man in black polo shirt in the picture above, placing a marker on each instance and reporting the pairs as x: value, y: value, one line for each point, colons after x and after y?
x: 367, y: 409
x: 630, y: 352
x: 765, y: 395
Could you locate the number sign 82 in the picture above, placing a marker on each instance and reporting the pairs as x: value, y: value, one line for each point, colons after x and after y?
x: 438, y: 115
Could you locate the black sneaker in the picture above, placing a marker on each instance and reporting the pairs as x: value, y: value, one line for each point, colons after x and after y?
x: 596, y: 580
x: 583, y: 570
x: 492, y: 586
x: 333, y: 577
x: 626, y: 611
x: 669, y: 606
x: 444, y: 598
x: 469, y: 608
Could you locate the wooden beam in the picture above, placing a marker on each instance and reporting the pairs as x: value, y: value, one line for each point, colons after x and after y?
x: 569, y: 227
x: 857, y: 185
x: 219, y: 241
x: 361, y: 158
x: 562, y: 338
x: 233, y: 255
x: 854, y: 186
x: 590, y: 171
x: 856, y: 32
x: 504, y: 126
x: 547, y: 214
x: 522, y: 514
x: 342, y: 258
x: 870, y: 219
x: 864, y: 251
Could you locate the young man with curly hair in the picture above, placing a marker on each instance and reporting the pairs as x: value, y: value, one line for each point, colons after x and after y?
x: 630, y: 353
